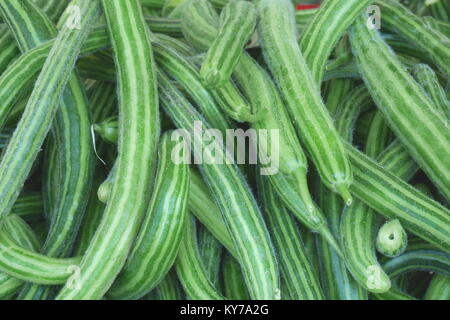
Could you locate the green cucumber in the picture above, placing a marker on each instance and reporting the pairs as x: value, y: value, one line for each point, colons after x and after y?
x: 159, y: 238
x: 190, y: 268
x: 302, y: 95
x: 238, y: 206
x: 138, y: 138
x: 406, y: 108
x: 237, y: 23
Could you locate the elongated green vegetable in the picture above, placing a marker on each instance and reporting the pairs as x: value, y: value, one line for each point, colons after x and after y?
x: 201, y: 204
x: 419, y: 260
x: 20, y: 232
x: 237, y: 21
x: 338, y: 90
x: 322, y: 33
x: 139, y: 133
x: 36, y: 121
x: 302, y: 95
x: 190, y: 268
x: 427, y: 78
x: 28, y: 205
x: 199, y: 25
x: 239, y: 210
x: 405, y: 108
x: 301, y: 280
x: 392, y: 239
x: 393, y: 198
x: 417, y: 31
x: 233, y: 280
x: 184, y: 72
x: 378, y: 136
x: 211, y: 252
x: 170, y: 288
x: 32, y: 267
x: 157, y: 244
x: 336, y: 280
x: 73, y: 142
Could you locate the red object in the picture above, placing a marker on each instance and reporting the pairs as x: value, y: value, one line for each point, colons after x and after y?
x: 307, y: 6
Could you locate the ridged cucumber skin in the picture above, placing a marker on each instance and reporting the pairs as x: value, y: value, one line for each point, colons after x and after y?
x: 301, y: 279
x: 138, y: 138
x: 345, y: 105
x: 237, y: 24
x: 390, y: 196
x: 32, y: 129
x: 22, y: 234
x: 200, y: 25
x: 233, y: 280
x: 417, y: 31
x: 325, y: 29
x: 184, y: 72
x: 407, y: 107
x: 26, y: 265
x: 74, y: 156
x: 427, y: 78
x: 190, y: 268
x: 22, y: 71
x: 156, y: 246
x: 239, y: 209
x: 170, y: 288
x: 211, y: 251
x: 301, y: 93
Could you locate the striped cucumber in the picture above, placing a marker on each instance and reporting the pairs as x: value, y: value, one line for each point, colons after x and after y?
x: 417, y: 31
x: 378, y: 136
x: 74, y: 142
x: 138, y: 137
x: 201, y: 204
x: 170, y: 288
x: 29, y: 266
x: 427, y: 78
x: 406, y: 108
x: 238, y: 206
x: 159, y: 238
x: 326, y: 28
x: 233, y: 280
x: 237, y: 24
x: 301, y: 279
x: 336, y: 280
x: 419, y: 260
x: 200, y: 26
x: 392, y: 239
x: 390, y: 196
x: 336, y: 93
x: 190, y: 268
x: 21, y: 233
x: 186, y: 74
x: 28, y: 205
x: 32, y: 129
x: 302, y: 95
x: 211, y: 252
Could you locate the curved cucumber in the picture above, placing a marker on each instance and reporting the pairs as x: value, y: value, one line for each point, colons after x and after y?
x: 159, y: 238
x: 138, y: 138
x: 302, y: 95
x: 237, y: 23
x: 407, y: 107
